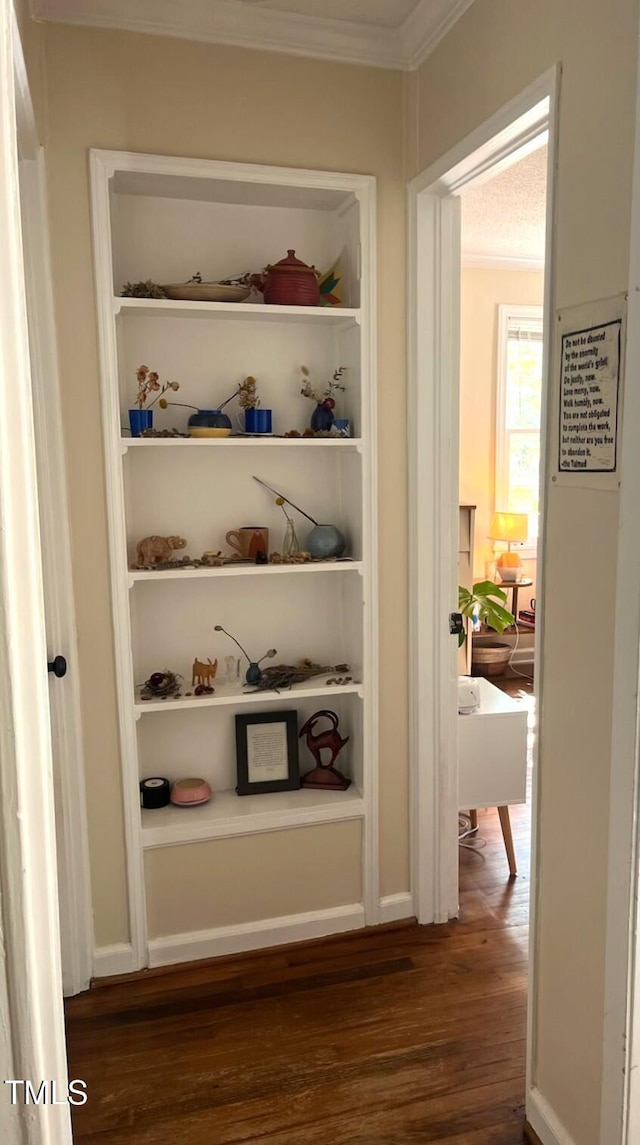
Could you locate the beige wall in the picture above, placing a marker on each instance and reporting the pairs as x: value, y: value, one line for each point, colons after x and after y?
x: 131, y: 92
x: 120, y: 90
x: 492, y: 54
x: 483, y: 291
x: 256, y: 877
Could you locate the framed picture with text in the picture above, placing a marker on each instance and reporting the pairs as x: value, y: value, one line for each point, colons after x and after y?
x: 267, y: 752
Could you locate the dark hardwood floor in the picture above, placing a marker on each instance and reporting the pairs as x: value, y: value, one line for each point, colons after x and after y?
x: 394, y: 1036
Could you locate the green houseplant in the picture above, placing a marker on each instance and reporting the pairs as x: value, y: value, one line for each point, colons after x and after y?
x: 486, y: 601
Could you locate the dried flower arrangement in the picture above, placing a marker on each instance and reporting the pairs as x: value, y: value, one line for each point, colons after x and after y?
x: 163, y: 432
x: 149, y: 382
x: 146, y: 289
x: 247, y: 395
x: 282, y: 501
x: 283, y: 676
x: 327, y: 397
x: 254, y: 671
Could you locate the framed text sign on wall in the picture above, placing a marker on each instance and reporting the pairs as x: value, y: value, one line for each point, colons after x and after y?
x: 589, y: 384
x: 589, y: 379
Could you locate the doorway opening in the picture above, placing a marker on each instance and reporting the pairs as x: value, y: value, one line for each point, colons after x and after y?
x: 503, y: 240
x: 524, y: 131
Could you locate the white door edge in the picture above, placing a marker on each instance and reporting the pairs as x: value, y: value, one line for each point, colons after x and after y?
x: 31, y: 1021
x: 69, y: 776
x: 433, y: 392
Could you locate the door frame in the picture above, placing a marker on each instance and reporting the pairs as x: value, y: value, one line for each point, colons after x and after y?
x: 32, y: 1036
x: 620, y: 1106
x: 433, y: 400
x: 74, y: 888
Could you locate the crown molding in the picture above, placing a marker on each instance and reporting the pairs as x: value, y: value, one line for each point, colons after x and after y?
x: 241, y: 25
x: 427, y: 25
x: 500, y: 262
x: 237, y: 25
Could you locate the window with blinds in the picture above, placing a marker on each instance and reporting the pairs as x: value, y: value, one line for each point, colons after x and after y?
x: 519, y: 399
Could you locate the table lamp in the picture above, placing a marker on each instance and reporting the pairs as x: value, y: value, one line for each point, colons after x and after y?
x: 509, y: 527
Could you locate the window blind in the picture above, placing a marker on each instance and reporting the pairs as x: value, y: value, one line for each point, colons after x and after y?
x: 524, y: 329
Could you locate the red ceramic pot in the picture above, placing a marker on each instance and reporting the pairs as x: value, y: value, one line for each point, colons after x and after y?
x: 291, y: 283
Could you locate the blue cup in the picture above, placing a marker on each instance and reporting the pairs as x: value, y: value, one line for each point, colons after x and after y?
x: 257, y: 420
x: 342, y: 426
x: 140, y: 419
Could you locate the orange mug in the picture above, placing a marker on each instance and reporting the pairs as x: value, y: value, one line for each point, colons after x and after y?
x: 249, y: 541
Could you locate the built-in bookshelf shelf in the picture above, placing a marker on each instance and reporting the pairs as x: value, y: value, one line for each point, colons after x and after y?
x: 161, y: 217
x: 341, y: 443
x: 225, y: 696
x: 137, y: 575
x: 230, y: 814
x: 336, y: 316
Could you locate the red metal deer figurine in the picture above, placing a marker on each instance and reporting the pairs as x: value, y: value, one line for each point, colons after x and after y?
x: 324, y: 775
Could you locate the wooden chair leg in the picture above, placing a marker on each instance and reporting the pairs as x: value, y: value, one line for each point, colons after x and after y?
x: 473, y: 816
x: 505, y: 823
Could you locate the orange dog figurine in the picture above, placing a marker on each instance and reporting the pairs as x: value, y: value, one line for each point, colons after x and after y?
x: 202, y: 673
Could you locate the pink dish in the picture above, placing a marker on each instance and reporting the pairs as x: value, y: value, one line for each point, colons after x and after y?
x: 190, y: 792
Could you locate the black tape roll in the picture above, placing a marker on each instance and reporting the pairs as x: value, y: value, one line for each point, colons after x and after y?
x: 155, y: 792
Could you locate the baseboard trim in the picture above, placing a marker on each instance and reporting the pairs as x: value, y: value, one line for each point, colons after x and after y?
x: 543, y: 1127
x: 530, y: 1135
x: 115, y: 959
x: 394, y: 908
x: 221, y: 940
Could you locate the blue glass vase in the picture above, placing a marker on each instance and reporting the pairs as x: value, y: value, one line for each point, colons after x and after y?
x: 321, y: 419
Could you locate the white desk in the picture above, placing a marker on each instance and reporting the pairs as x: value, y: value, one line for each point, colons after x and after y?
x: 492, y: 758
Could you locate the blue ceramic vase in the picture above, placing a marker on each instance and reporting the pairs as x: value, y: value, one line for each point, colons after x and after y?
x: 321, y: 419
x: 209, y: 423
x: 325, y: 542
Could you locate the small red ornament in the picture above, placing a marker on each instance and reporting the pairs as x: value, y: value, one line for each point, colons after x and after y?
x: 156, y: 679
x: 329, y: 404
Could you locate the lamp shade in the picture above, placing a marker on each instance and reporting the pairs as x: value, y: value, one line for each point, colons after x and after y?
x: 509, y: 527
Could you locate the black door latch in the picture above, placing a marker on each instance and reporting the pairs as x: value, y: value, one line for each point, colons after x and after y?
x: 58, y: 666
x: 456, y: 623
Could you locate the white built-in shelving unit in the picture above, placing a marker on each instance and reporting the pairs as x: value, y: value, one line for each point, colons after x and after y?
x: 164, y: 218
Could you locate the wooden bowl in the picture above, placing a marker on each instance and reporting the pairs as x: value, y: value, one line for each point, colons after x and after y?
x: 205, y: 292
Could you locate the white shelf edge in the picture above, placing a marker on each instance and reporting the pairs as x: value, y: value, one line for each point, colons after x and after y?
x: 248, y: 311
x: 127, y: 443
x: 143, y: 575
x: 197, y: 824
x: 234, y: 699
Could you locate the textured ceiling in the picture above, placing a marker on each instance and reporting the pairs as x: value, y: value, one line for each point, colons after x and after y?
x: 383, y: 13
x: 505, y: 217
